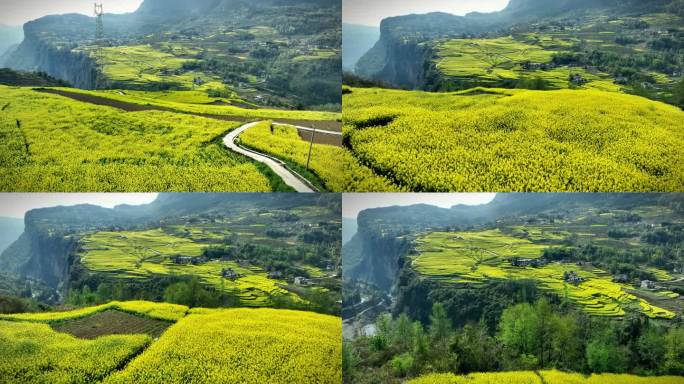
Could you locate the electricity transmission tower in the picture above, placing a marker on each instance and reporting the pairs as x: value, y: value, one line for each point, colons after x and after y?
x: 99, y: 36
x: 99, y: 29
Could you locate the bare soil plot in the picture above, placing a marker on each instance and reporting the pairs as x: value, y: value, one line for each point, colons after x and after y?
x: 112, y: 322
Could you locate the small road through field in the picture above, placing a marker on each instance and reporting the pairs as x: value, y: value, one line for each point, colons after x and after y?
x: 300, y: 128
x: 290, y: 178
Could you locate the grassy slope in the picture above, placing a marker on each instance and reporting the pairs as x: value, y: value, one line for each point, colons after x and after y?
x: 517, y: 140
x: 64, y: 145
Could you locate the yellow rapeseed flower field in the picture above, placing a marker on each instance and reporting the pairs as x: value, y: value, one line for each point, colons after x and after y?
x: 242, y: 346
x: 548, y: 377
x: 516, y: 140
x: 336, y: 167
x: 51, y: 143
x: 35, y: 353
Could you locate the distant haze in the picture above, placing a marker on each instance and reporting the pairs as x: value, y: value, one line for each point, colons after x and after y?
x: 371, y: 12
x: 17, y: 204
x: 18, y: 12
x: 353, y: 203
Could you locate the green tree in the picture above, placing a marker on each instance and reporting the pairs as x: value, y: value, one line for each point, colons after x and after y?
x: 382, y: 338
x: 191, y: 293
x: 443, y: 359
x: 674, y: 351
x: 421, y: 347
x: 476, y: 350
x: 349, y: 361
x: 567, y: 346
x: 402, y: 336
x: 518, y: 331
x: 605, y: 354
x: 651, y: 349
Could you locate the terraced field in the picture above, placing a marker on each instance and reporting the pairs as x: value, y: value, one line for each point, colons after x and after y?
x: 142, y: 65
x: 490, y: 61
x: 144, y: 254
x: 471, y: 258
x: 514, y: 140
x: 539, y: 377
x: 204, y: 346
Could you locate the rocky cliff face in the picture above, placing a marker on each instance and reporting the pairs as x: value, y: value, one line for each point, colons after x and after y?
x: 34, y: 54
x: 47, y: 249
x: 404, y: 64
x: 379, y: 258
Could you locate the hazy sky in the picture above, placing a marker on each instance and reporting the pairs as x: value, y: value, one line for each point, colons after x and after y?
x: 18, y: 12
x: 371, y: 12
x: 17, y: 204
x: 353, y: 203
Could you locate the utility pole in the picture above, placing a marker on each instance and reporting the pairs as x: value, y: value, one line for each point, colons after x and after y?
x: 313, y: 134
x: 99, y: 36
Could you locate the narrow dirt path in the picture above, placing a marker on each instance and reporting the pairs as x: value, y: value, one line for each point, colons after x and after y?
x: 290, y: 178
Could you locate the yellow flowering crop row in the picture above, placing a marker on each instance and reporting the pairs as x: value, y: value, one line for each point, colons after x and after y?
x: 548, y: 377
x: 61, y: 145
x: 161, y: 311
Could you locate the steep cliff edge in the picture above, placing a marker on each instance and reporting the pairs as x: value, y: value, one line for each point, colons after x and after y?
x: 36, y: 55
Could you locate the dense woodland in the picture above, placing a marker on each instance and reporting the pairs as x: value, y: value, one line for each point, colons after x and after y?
x: 535, y: 333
